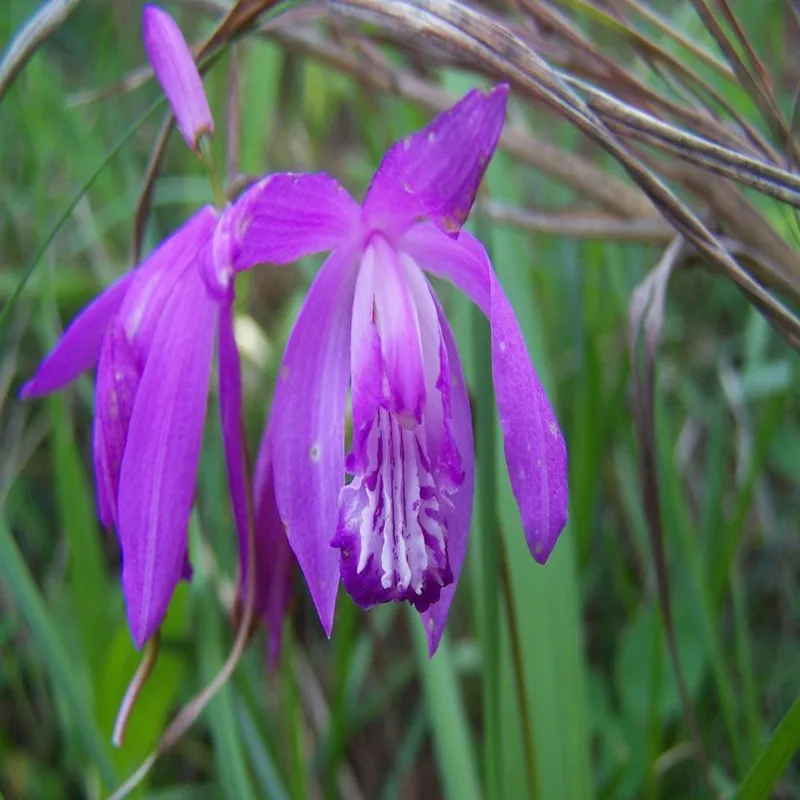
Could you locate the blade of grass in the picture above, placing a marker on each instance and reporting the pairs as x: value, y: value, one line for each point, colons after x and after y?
x: 452, y: 741
x: 20, y: 586
x: 546, y: 599
x: 774, y: 757
x: 228, y: 749
x: 489, y: 563
x: 87, y: 184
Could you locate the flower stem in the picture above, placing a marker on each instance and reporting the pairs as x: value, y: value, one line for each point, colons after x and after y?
x: 149, y: 658
x: 213, y: 173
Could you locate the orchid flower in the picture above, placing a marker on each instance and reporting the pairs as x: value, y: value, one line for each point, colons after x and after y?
x: 372, y: 323
x: 152, y: 336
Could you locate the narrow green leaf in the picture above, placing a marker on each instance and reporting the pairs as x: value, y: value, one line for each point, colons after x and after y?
x: 87, y: 184
x: 455, y: 752
x: 546, y: 599
x: 228, y: 747
x: 774, y: 758
x: 20, y: 585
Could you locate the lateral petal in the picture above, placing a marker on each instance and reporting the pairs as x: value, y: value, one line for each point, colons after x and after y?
x: 286, y: 216
x: 535, y: 450
x: 158, y: 274
x: 273, y: 554
x: 118, y: 376
x: 461, y: 515
x: 159, y: 467
x: 79, y: 347
x: 231, y: 412
x: 308, y: 413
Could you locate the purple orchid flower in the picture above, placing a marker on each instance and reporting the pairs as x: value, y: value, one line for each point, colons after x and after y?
x: 371, y: 322
x: 152, y: 337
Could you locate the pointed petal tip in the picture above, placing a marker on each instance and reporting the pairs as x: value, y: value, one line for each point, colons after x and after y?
x: 172, y: 62
x: 433, y: 633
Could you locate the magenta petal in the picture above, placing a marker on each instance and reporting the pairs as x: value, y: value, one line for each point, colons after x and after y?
x: 308, y: 413
x: 366, y: 361
x: 435, y: 173
x: 159, y: 468
x: 118, y: 376
x: 460, y: 517
x: 78, y: 349
x: 230, y: 397
x: 285, y: 217
x: 534, y: 446
x: 155, y: 279
x: 274, y: 557
x: 176, y: 72
x: 398, y: 328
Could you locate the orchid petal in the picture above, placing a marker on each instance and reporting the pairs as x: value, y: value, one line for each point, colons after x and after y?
x: 439, y: 441
x: 175, y: 69
x: 118, y: 376
x: 398, y: 328
x: 230, y: 400
x: 535, y: 451
x: 273, y: 554
x: 285, y: 217
x: 79, y: 347
x: 366, y: 361
x: 159, y: 468
x: 155, y: 279
x: 435, y: 173
x: 308, y: 413
x: 460, y: 517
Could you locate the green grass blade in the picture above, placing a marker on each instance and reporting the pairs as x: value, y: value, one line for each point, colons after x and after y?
x: 228, y: 747
x: 455, y: 752
x: 546, y: 599
x: 87, y: 184
x: 19, y: 584
x: 774, y: 758
x: 489, y: 562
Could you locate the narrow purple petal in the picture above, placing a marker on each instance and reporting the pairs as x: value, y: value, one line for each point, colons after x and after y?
x: 366, y: 361
x: 176, y: 72
x: 398, y: 328
x: 438, y: 435
x: 78, y: 349
x: 159, y: 468
x: 534, y: 446
x: 435, y: 173
x: 285, y: 217
x: 273, y: 554
x: 460, y: 517
x: 308, y: 413
x: 157, y: 276
x: 118, y: 377
x: 230, y: 397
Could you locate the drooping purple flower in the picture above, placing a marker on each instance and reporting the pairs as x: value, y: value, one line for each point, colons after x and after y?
x: 152, y: 337
x: 372, y: 323
x: 175, y: 69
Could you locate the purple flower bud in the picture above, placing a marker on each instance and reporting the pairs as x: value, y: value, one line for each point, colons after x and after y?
x: 176, y: 72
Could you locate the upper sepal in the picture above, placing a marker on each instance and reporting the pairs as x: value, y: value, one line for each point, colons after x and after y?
x: 435, y: 173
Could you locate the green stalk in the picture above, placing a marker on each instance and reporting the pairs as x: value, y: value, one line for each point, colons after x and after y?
x: 774, y: 758
x: 489, y: 561
x: 20, y: 585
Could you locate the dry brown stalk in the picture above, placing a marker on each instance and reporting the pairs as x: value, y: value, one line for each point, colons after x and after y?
x: 497, y: 51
